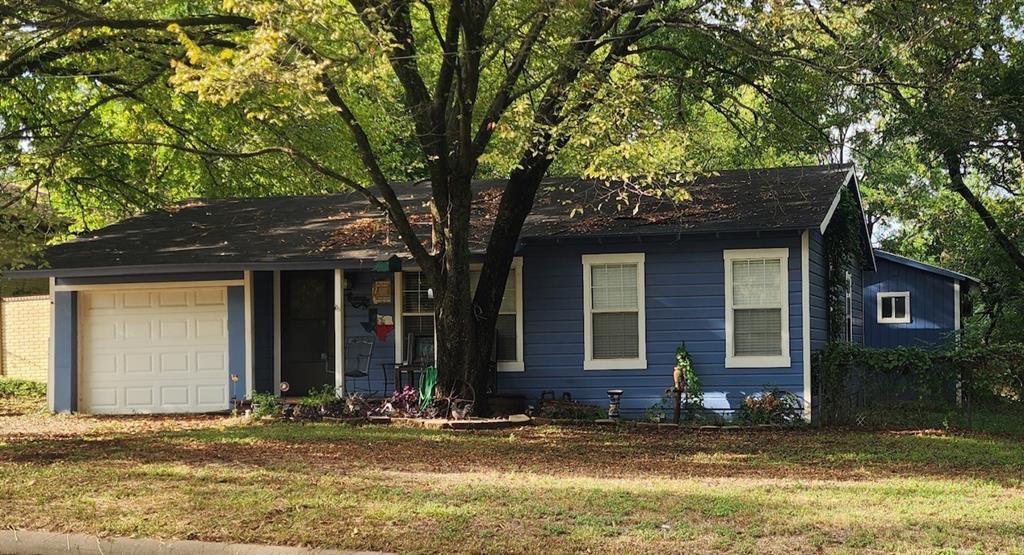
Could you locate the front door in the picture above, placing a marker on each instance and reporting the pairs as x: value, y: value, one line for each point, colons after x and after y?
x: 307, y: 330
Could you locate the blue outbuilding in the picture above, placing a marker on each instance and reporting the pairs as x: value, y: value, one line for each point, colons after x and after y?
x: 913, y: 304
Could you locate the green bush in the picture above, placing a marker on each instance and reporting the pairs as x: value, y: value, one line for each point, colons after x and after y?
x: 265, y: 404
x: 324, y: 395
x: 914, y: 386
x: 15, y: 388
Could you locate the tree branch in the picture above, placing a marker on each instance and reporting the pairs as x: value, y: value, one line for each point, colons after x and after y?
x: 954, y: 168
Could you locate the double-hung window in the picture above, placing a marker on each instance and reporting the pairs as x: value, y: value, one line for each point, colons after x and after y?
x: 508, y: 340
x: 894, y: 308
x: 416, y: 309
x: 414, y: 327
x: 756, y: 308
x: 614, y: 327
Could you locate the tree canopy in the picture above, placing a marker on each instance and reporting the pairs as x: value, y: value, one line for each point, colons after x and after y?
x: 112, y: 106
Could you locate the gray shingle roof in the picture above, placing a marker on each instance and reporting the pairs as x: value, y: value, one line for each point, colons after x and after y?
x: 342, y: 227
x: 925, y: 267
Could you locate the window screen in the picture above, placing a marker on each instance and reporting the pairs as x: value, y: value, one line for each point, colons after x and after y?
x: 615, y: 320
x: 757, y: 307
x: 506, y: 343
x: 415, y: 296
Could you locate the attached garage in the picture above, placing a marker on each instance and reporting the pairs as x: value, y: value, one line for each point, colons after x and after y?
x: 163, y: 349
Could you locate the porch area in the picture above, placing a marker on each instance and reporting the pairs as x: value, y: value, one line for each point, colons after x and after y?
x: 312, y: 329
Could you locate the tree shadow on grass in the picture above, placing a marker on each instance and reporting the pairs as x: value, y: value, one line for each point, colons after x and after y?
x: 828, y: 455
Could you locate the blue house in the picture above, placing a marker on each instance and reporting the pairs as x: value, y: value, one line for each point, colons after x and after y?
x: 187, y: 308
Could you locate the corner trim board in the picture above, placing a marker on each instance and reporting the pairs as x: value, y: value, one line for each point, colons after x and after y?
x: 249, y: 343
x: 51, y: 359
x: 805, y: 317
x: 399, y: 333
x: 956, y: 307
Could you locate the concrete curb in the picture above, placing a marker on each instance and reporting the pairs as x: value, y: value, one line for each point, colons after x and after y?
x: 22, y: 542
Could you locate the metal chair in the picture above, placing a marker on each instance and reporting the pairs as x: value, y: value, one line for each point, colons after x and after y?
x: 363, y: 362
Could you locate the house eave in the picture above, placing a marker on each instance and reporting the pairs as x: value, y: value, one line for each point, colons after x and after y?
x: 128, y: 269
x: 925, y: 267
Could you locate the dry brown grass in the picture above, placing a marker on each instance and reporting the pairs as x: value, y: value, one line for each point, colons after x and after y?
x: 549, y: 489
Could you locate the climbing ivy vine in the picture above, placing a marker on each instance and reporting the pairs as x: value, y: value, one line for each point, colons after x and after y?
x: 842, y: 253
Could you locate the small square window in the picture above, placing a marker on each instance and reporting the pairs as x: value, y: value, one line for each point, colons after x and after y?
x: 894, y: 308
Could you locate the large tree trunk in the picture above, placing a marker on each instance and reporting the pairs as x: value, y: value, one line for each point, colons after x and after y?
x: 453, y: 315
x: 954, y: 167
x: 455, y: 332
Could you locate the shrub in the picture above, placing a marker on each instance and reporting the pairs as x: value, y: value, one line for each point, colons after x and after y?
x: 569, y: 410
x: 15, y: 388
x: 772, y: 406
x: 323, y: 396
x: 265, y: 404
x: 914, y: 386
x: 403, y: 403
x: 660, y: 411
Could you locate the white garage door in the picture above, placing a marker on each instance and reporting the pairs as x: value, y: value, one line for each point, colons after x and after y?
x: 153, y: 350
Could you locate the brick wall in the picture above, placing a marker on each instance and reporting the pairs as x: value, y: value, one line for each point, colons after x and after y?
x: 25, y: 337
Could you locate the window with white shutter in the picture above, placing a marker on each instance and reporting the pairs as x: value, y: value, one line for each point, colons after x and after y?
x: 614, y: 319
x: 756, y: 308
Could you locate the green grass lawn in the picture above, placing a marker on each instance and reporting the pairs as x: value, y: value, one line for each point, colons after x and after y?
x: 541, y: 489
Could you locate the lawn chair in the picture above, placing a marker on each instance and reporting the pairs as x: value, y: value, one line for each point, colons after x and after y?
x: 362, y: 369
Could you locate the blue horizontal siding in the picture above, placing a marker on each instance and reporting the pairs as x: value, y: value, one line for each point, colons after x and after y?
x: 685, y: 301
x: 236, y: 341
x: 818, y: 275
x: 381, y: 368
x: 931, y: 307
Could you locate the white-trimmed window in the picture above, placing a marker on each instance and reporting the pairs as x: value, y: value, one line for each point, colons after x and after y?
x: 416, y: 309
x: 894, y: 308
x: 756, y: 308
x: 508, y: 340
x: 614, y: 321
